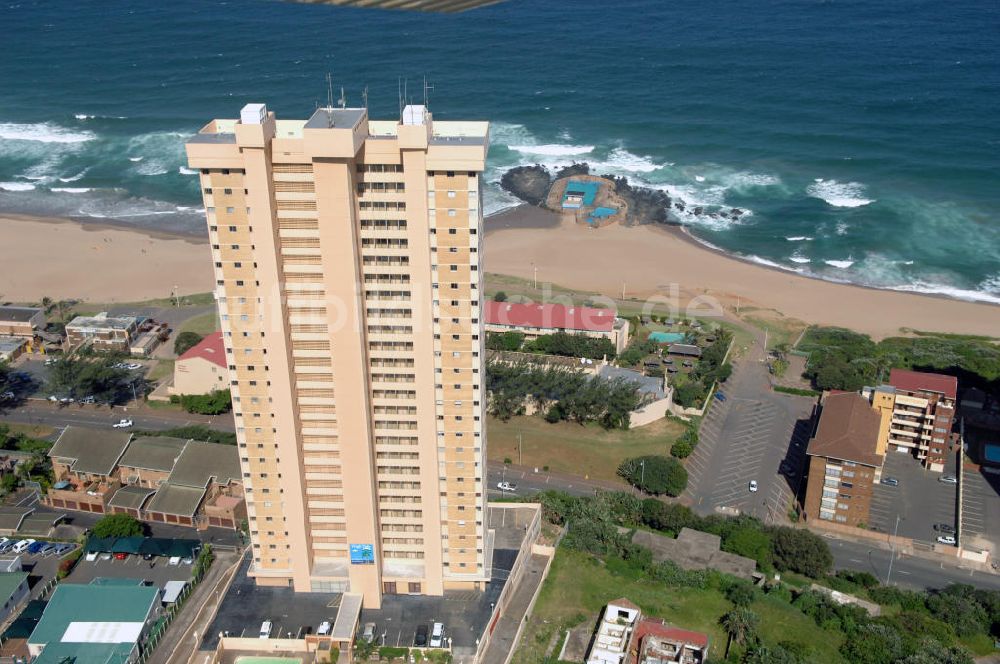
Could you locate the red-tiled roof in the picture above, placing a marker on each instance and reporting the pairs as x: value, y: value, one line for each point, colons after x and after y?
x: 650, y: 626
x: 915, y: 381
x: 848, y: 430
x: 550, y: 316
x: 210, y: 348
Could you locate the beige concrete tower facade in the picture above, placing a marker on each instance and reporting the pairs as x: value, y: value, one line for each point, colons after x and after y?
x: 349, y: 283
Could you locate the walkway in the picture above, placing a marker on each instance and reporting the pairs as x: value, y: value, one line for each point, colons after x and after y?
x: 499, y: 649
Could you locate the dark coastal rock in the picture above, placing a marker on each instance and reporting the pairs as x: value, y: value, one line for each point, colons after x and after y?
x: 699, y: 210
x: 736, y: 212
x: 645, y: 206
x: 529, y: 183
x: 574, y: 169
x: 680, y: 205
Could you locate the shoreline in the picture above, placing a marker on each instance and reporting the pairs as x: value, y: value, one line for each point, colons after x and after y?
x: 651, y: 260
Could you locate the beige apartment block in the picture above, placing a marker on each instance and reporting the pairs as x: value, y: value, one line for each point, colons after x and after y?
x: 349, y: 283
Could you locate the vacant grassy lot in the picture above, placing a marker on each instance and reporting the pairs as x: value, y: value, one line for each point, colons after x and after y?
x: 32, y: 430
x: 576, y: 449
x: 203, y: 324
x: 162, y: 369
x: 578, y: 587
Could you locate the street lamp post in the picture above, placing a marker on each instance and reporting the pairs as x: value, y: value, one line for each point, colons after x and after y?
x: 892, y: 555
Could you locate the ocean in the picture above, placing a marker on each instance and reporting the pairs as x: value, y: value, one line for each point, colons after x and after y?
x: 862, y: 138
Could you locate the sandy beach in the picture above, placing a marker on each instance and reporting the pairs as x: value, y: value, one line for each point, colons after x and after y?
x: 60, y: 258
x: 648, y: 260
x: 98, y: 262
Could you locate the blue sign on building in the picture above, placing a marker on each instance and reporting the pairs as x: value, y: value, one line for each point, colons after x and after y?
x: 362, y: 554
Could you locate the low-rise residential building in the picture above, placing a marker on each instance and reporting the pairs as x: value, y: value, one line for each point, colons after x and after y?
x: 12, y: 348
x: 203, y: 368
x: 536, y: 320
x: 94, y: 623
x: 655, y: 642
x: 845, y: 460
x: 21, y: 321
x: 918, y: 414
x: 103, y: 332
x: 614, y: 633
x: 159, y: 479
x: 13, y: 591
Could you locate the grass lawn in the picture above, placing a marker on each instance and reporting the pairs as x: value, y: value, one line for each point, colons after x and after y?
x: 780, y: 330
x: 203, y: 324
x: 579, y: 450
x: 163, y: 369
x: 979, y: 645
x: 32, y: 430
x: 578, y: 587
x: 193, y: 300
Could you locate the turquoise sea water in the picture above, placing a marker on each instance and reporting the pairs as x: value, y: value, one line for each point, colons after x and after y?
x: 863, y: 137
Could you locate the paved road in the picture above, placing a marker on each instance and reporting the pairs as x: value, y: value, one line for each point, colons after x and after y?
x: 755, y: 434
x: 48, y: 414
x: 907, y: 571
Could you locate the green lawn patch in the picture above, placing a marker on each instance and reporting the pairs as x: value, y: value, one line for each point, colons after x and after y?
x: 203, y: 324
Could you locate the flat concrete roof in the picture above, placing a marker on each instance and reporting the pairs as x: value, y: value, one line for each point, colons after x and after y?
x: 336, y: 118
x: 347, y: 617
x: 93, y: 451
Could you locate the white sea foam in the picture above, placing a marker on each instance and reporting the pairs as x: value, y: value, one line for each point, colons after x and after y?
x: 769, y: 263
x: 84, y: 116
x: 842, y: 228
x: 76, y: 177
x: 16, y: 186
x: 187, y: 171
x: 71, y: 190
x: 621, y: 159
x: 699, y: 178
x: 839, y: 194
x: 950, y: 291
x: 843, y: 265
x: 796, y: 258
x: 42, y: 132
x: 798, y: 238
x: 135, y: 158
x: 153, y: 170
x: 553, y: 149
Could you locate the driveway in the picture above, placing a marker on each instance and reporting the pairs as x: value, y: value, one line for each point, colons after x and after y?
x: 980, y: 509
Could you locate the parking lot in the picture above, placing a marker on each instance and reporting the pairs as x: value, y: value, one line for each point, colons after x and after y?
x: 921, y: 499
x: 980, y: 509
x: 156, y: 571
x: 41, y: 567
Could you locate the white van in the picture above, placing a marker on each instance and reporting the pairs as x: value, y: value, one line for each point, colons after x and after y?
x: 324, y: 628
x: 265, y: 629
x: 22, y: 545
x: 437, y: 635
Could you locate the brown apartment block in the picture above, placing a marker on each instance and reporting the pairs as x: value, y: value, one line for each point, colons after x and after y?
x: 844, y: 460
x: 918, y: 411
x: 348, y: 279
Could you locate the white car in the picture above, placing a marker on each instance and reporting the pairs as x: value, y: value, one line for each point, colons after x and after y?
x: 175, y: 560
x: 265, y: 629
x: 437, y: 635
x: 23, y: 545
x: 133, y: 366
x: 507, y: 486
x: 7, y: 396
x: 122, y: 424
x: 753, y: 486
x: 53, y: 397
x: 947, y: 539
x: 949, y: 479
x: 91, y: 557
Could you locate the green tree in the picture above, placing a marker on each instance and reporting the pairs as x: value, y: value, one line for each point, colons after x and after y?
x: 800, y: 551
x: 118, y: 525
x: 655, y: 474
x: 198, y: 432
x: 932, y: 652
x: 500, y: 297
x: 82, y: 375
x: 957, y: 606
x: 215, y: 403
x: 669, y: 517
x: 740, y: 624
x: 741, y: 593
x: 750, y: 542
x: 185, y: 341
x: 764, y: 654
x: 504, y: 341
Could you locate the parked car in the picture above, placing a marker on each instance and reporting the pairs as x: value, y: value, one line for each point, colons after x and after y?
x: 265, y: 629
x: 949, y: 479
x: 121, y: 555
x: 324, y: 628
x: 7, y: 396
x: 47, y: 549
x: 132, y: 366
x: 105, y: 556
x: 147, y: 556
x: 91, y: 556
x: 720, y: 396
x: 945, y: 528
x: 890, y: 481
x: 368, y: 633
x: 89, y: 399
x: 63, y: 548
x: 187, y: 561
x: 54, y: 398
x: 174, y: 560
x: 437, y: 635
x: 22, y: 545
x: 753, y: 486
x: 947, y: 539
x: 122, y: 424
x: 507, y: 486
x: 420, y: 638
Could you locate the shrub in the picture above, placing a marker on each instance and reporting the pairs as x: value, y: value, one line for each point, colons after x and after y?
x: 681, y: 449
x: 185, y: 341
x: 500, y: 297
x: 387, y: 652
x: 741, y: 593
x: 800, y: 551
x: 214, y: 403
x: 118, y: 525
x: 655, y: 474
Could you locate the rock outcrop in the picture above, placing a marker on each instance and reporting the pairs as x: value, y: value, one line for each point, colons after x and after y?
x: 645, y: 206
x: 529, y: 183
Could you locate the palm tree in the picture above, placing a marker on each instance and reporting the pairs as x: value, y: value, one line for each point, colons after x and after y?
x: 47, y: 304
x: 740, y: 624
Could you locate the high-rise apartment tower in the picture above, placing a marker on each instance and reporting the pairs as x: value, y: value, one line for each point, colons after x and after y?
x: 349, y: 284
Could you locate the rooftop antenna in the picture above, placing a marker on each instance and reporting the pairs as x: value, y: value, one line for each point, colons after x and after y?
x: 399, y: 95
x: 406, y: 95
x: 343, y: 98
x: 427, y: 89
x: 329, y: 91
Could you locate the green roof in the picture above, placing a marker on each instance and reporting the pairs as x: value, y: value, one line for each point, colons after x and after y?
x: 92, y: 451
x: 84, y: 653
x: 73, y: 602
x: 153, y: 453
x: 115, y: 581
x: 201, y: 462
x: 10, y: 582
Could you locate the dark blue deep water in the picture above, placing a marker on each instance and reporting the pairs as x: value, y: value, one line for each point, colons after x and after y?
x: 864, y: 137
